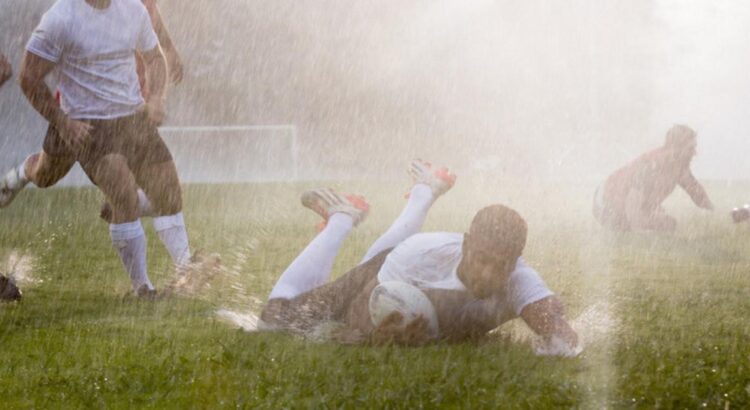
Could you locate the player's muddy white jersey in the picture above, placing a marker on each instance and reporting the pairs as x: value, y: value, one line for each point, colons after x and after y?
x: 430, y: 261
x: 95, y: 55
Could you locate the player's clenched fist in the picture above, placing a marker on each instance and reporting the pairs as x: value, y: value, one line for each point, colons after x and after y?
x: 392, y: 330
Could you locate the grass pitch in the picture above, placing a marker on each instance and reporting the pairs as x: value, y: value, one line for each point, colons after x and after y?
x: 664, y: 316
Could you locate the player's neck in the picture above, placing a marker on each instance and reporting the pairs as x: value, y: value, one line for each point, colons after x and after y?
x: 99, y: 4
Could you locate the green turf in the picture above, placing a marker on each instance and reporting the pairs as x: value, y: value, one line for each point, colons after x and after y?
x: 677, y: 335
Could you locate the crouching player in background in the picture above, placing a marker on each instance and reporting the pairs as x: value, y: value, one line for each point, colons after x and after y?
x: 630, y: 199
x: 475, y: 281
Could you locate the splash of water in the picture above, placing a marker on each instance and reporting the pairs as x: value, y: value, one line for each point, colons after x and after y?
x: 20, y: 268
x: 248, y: 322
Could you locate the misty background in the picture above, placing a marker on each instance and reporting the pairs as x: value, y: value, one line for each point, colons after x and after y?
x: 514, y: 89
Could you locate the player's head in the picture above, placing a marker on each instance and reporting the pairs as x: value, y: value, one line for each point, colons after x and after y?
x: 682, y: 141
x: 491, y: 248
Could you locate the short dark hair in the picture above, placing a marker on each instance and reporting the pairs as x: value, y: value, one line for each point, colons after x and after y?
x: 679, y: 135
x: 500, y: 225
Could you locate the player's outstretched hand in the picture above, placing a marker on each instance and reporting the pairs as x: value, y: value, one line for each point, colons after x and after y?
x: 392, y: 330
x: 6, y: 71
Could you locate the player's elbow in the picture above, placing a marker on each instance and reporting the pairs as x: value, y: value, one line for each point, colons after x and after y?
x: 28, y: 82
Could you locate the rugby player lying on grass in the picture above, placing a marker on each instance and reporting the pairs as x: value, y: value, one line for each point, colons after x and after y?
x: 476, y: 281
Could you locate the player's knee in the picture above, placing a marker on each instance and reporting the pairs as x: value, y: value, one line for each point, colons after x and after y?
x: 168, y: 202
x: 115, y: 179
x: 44, y: 181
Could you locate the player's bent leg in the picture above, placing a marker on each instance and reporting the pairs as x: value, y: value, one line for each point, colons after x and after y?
x: 662, y: 222
x: 45, y: 170
x: 312, y: 267
x: 161, y: 186
x: 112, y: 175
x: 429, y: 184
x: 144, y: 207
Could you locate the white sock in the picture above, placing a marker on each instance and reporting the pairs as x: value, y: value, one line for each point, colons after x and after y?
x: 22, y: 172
x: 312, y: 267
x: 130, y: 241
x: 144, y: 205
x: 23, y: 179
x: 407, y: 224
x: 172, y: 232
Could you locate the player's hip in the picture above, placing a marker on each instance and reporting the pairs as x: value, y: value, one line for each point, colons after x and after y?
x: 132, y: 136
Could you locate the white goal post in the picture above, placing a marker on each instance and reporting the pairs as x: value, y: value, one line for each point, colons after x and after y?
x: 226, y: 154
x: 234, y: 153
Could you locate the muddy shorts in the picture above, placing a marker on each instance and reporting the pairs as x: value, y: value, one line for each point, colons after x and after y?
x: 133, y: 136
x: 327, y: 303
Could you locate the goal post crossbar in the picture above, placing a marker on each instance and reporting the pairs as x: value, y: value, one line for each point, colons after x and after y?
x: 232, y: 129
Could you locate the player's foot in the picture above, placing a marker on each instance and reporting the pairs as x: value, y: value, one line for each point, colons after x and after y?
x: 326, y: 202
x: 196, y: 275
x: 440, y: 180
x: 741, y: 214
x: 10, y: 186
x: 8, y: 289
x: 146, y: 293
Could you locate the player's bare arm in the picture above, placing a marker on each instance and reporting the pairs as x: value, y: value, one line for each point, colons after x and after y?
x: 174, y: 62
x: 696, y: 191
x: 34, y: 69
x: 546, y: 318
x: 6, y: 71
x: 156, y: 71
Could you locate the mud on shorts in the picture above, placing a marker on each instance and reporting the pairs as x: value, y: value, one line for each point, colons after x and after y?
x: 326, y: 303
x: 133, y: 137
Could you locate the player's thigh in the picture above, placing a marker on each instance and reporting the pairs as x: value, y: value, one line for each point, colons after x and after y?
x: 162, y: 186
x: 47, y: 170
x: 114, y: 178
x: 329, y: 302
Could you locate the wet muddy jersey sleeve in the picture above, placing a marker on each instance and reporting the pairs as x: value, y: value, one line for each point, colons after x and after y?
x: 525, y: 287
x: 425, y: 260
x: 147, y: 39
x: 693, y: 188
x: 47, y: 40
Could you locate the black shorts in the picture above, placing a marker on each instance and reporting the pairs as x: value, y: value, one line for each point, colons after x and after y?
x: 134, y: 137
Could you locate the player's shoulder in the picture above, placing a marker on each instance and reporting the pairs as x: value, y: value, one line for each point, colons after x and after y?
x: 149, y: 4
x: 60, y: 9
x: 435, y: 239
x: 523, y: 268
x: 139, y: 5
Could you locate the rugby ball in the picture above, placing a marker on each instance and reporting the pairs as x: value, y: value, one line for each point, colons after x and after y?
x: 396, y: 296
